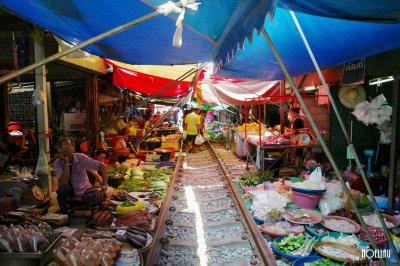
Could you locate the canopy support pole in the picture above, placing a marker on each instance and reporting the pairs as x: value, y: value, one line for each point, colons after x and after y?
x: 282, y: 106
x: 320, y: 138
x: 393, y: 144
x: 97, y: 38
x: 216, y: 95
x: 41, y: 110
x: 352, y: 148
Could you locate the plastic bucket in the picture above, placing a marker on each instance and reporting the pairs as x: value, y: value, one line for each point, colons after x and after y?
x: 153, y: 145
x: 164, y: 149
x: 306, y: 201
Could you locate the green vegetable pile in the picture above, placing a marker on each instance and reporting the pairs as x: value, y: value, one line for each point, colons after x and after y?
x: 128, y: 203
x: 217, y: 135
x: 298, y: 245
x: 324, y: 262
x: 158, y: 179
x: 114, y: 172
x: 133, y: 180
x: 250, y: 180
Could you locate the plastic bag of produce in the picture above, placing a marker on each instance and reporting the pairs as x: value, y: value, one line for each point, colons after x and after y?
x: 316, y: 176
x: 329, y: 204
x: 199, y: 140
x: 6, y: 244
x: 37, y: 242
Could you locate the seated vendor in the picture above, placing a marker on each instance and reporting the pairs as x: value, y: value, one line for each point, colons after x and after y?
x: 94, y: 176
x: 296, y: 123
x: 148, y: 125
x: 71, y: 169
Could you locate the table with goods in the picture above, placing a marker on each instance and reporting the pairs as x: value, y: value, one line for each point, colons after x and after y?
x: 119, y: 233
x: 308, y: 220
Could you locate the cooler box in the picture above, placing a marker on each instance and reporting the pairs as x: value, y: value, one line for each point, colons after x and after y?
x: 174, y: 145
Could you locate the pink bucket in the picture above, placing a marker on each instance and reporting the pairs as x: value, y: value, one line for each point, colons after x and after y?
x: 306, y: 201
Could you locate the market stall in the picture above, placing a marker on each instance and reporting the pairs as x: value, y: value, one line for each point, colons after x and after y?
x: 120, y: 231
x: 310, y: 219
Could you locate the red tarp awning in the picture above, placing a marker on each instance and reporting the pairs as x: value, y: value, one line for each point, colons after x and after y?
x: 147, y: 84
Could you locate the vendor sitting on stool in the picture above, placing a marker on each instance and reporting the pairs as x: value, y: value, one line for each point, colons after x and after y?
x: 296, y: 122
x: 71, y: 169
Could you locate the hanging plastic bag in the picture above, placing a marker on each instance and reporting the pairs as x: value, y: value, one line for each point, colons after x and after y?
x: 184, y: 135
x: 316, y: 176
x: 42, y: 166
x: 38, y: 97
x: 199, y: 140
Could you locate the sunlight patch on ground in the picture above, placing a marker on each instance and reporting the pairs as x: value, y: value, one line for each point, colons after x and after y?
x: 201, y: 241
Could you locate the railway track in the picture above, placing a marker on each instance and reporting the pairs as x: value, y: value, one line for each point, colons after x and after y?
x: 203, y: 220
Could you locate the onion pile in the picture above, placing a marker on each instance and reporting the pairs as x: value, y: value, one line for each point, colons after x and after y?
x: 377, y: 234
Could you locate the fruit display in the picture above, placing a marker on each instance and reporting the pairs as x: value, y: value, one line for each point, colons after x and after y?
x: 172, y: 138
x: 251, y: 129
x: 153, y: 139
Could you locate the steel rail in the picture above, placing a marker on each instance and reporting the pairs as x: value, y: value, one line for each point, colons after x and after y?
x: 259, y: 241
x: 263, y: 255
x: 159, y: 229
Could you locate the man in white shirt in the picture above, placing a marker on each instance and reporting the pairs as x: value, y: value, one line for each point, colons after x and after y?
x: 192, y: 126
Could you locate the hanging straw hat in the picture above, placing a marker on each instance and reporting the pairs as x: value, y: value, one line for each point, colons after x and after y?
x: 351, y: 95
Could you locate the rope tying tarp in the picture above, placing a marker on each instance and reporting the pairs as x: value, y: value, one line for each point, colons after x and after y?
x: 180, y: 8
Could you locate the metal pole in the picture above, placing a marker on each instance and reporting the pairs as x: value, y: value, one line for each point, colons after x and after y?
x: 216, y: 95
x: 352, y: 148
x: 41, y: 110
x: 78, y: 46
x: 393, y: 144
x: 320, y: 138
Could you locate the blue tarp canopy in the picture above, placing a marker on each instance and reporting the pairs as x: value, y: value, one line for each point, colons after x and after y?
x: 333, y: 41
x: 214, y: 32
x: 209, y: 34
x: 364, y: 10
